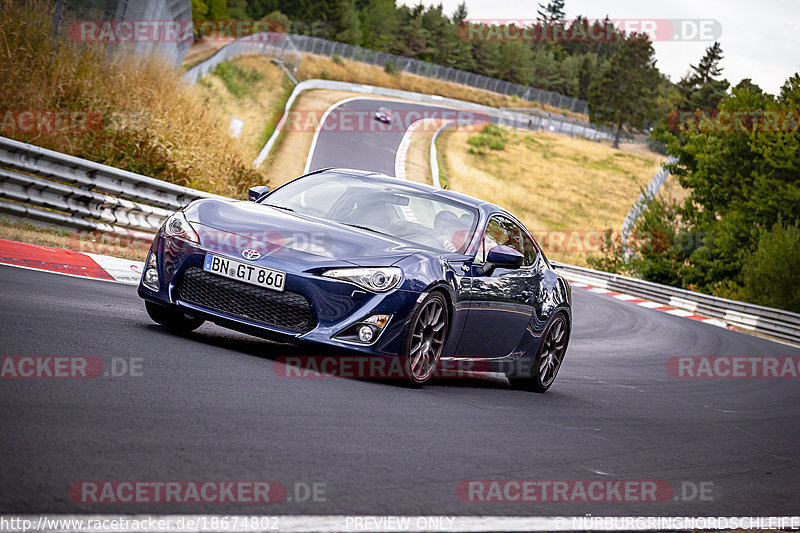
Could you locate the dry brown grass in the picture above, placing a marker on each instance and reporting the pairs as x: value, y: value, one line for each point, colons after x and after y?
x: 314, y: 66
x: 552, y: 182
x: 153, y: 122
x: 257, y: 108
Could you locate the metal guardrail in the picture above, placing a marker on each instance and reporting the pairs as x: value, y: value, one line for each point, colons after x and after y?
x: 60, y: 189
x: 277, y: 45
x: 649, y: 192
x: 766, y: 320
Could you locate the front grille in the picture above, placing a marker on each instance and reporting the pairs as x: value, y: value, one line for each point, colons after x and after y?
x: 284, y: 310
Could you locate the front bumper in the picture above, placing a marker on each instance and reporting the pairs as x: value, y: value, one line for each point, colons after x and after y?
x: 334, y: 304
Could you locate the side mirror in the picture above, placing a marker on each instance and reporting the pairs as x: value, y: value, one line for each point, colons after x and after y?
x: 502, y: 257
x: 254, y: 193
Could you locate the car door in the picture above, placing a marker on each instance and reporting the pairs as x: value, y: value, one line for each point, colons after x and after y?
x: 501, y: 300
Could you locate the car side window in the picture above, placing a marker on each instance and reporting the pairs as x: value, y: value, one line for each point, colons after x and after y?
x: 502, y: 231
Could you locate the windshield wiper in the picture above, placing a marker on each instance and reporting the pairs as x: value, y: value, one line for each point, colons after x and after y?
x: 368, y: 229
x: 280, y: 207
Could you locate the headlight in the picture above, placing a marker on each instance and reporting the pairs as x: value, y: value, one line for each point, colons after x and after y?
x: 179, y: 228
x: 150, y: 275
x: 373, y: 279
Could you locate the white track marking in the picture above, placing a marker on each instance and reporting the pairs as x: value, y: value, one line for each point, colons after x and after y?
x: 59, y: 273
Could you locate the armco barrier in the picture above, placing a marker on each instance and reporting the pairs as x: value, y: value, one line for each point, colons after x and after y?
x: 769, y: 321
x: 60, y: 189
x: 277, y: 45
x: 647, y: 194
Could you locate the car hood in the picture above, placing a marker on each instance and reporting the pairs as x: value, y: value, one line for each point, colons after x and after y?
x: 230, y: 226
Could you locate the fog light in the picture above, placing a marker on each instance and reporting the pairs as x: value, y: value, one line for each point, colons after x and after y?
x: 365, y: 333
x: 151, y: 278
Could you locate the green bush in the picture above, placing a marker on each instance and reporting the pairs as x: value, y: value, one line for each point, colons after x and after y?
x: 493, y: 130
x: 491, y: 136
x: 237, y: 80
x: 772, y: 272
x: 478, y: 141
x: 497, y: 144
x: 390, y: 68
x: 338, y: 59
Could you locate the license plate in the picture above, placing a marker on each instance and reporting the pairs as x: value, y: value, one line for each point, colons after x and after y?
x: 230, y: 268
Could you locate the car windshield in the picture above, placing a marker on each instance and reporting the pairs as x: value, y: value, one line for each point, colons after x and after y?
x: 390, y: 209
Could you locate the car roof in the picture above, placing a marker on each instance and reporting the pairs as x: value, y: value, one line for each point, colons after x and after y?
x: 444, y: 193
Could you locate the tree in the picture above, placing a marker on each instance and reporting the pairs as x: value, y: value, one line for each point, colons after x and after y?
x: 199, y: 10
x: 739, y: 223
x: 277, y: 22
x: 413, y: 37
x: 379, y: 25
x: 772, y: 273
x: 217, y: 9
x: 709, y: 67
x: 700, y: 88
x: 460, y: 14
x: 552, y: 12
x: 237, y: 9
x: 348, y: 25
x: 624, y: 95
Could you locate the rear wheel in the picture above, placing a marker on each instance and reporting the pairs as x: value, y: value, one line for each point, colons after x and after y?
x: 426, y: 337
x: 548, y: 360
x: 172, y: 319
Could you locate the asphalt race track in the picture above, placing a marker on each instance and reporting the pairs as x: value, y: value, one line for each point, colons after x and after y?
x: 351, y: 138
x: 212, y: 406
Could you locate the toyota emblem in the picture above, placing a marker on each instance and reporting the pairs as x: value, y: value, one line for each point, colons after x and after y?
x: 251, y: 254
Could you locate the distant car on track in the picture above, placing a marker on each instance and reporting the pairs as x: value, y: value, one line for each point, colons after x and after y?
x: 366, y: 263
x: 384, y: 114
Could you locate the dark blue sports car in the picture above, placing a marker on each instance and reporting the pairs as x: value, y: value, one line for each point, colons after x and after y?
x: 370, y: 264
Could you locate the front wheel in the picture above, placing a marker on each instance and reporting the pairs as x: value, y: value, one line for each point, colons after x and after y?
x: 425, y: 341
x: 172, y: 319
x: 548, y: 360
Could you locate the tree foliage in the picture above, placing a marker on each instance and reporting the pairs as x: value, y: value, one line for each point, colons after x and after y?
x: 567, y: 65
x: 625, y: 93
x: 736, y: 235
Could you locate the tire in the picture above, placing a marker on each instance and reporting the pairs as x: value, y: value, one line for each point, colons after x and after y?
x: 174, y: 320
x: 548, y: 358
x: 425, y: 340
